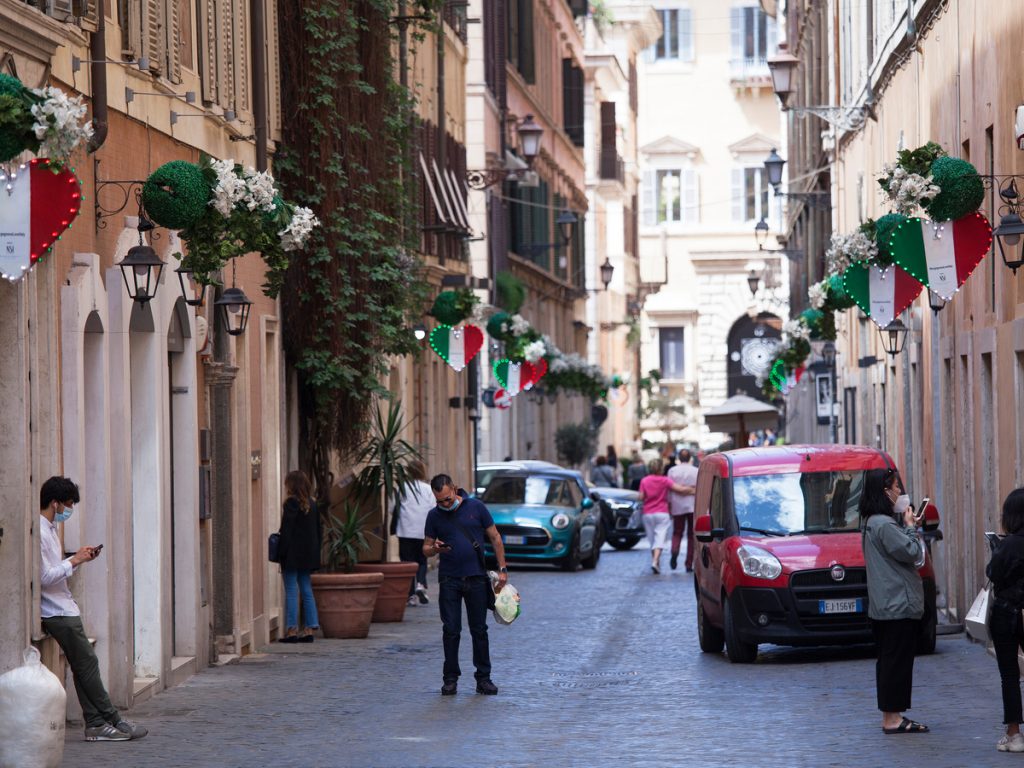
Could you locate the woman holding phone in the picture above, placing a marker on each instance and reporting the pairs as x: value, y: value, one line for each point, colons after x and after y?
x: 893, y: 551
x: 1006, y: 570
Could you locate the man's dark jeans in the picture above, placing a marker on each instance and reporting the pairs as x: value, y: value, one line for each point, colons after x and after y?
x: 1007, y: 636
x: 453, y: 591
x: 70, y: 636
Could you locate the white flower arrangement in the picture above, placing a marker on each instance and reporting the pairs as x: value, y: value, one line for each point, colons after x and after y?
x: 795, y: 330
x: 534, y: 351
x: 230, y: 188
x: 518, y: 325
x: 817, y: 294
x: 58, y: 123
x: 294, y: 236
x: 909, y: 191
x: 847, y: 249
x: 260, y: 190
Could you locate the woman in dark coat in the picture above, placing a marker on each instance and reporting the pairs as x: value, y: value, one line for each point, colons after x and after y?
x: 299, y: 550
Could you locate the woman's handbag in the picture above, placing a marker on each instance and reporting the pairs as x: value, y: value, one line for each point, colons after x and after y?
x: 273, y: 545
x: 977, y: 618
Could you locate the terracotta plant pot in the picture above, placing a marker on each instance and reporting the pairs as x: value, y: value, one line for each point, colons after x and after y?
x: 394, y: 592
x: 345, y: 602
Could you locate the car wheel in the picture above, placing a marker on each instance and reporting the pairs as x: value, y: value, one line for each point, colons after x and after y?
x: 738, y: 651
x: 591, y: 561
x: 926, y: 640
x: 710, y: 637
x: 623, y: 542
x: 571, y: 561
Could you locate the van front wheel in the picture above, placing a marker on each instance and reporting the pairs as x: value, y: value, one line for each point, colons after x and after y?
x: 738, y: 651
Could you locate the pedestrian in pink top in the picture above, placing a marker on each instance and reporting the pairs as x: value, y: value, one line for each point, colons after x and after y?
x: 654, y: 493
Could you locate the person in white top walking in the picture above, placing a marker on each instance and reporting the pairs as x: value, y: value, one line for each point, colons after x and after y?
x: 681, y: 508
x: 62, y: 620
x: 411, y: 509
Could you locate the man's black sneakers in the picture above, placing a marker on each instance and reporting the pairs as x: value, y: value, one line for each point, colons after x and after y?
x: 486, y: 687
x: 450, y: 689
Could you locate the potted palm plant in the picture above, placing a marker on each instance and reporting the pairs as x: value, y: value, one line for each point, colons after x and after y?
x: 385, y: 457
x: 345, y: 599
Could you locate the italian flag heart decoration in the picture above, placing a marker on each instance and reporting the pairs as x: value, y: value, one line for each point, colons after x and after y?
x: 456, y: 346
x: 513, y: 376
x: 36, y: 206
x: 539, y: 369
x: 881, y: 293
x: 941, y: 254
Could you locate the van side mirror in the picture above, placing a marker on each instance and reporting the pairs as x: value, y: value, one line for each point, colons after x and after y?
x: 702, y: 529
x: 587, y: 504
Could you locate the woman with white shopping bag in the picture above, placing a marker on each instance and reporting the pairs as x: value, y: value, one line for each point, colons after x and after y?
x: 1006, y: 571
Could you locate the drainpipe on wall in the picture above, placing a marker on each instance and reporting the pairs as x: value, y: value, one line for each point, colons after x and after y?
x: 98, y: 73
x: 259, y: 82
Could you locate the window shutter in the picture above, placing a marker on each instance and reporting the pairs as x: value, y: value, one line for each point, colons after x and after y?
x: 132, y: 22
x: 736, y: 33
x: 686, y: 34
x: 225, y: 54
x: 691, y: 196
x: 773, y: 38
x: 737, y: 195
x: 649, y: 196
x: 173, y: 42
x: 240, y: 55
x: 153, y: 35
x: 208, y: 49
x: 526, y: 52
x: 608, y: 127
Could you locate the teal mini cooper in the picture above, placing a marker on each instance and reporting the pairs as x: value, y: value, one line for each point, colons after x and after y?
x: 545, y: 515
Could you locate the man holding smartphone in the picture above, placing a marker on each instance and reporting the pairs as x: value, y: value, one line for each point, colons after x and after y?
x: 455, y: 530
x: 62, y: 620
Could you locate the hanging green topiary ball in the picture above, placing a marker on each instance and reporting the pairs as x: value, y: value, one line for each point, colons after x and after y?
x: 176, y: 195
x: 16, y: 120
x: 494, y: 325
x: 962, y: 191
x: 838, y: 299
x: 446, y: 308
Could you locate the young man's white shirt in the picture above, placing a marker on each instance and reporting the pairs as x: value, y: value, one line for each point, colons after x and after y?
x: 54, y: 596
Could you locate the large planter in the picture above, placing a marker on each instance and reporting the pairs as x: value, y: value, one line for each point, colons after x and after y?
x: 394, y: 591
x: 345, y: 602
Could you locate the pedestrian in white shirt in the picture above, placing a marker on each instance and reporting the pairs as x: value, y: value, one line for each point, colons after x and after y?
x: 681, y: 508
x: 62, y: 620
x: 411, y: 511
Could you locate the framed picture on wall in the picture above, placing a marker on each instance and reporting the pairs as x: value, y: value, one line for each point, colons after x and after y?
x: 823, y: 396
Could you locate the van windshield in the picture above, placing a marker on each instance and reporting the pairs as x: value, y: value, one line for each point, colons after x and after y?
x: 798, y: 502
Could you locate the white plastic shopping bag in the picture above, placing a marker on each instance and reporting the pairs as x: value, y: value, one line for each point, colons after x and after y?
x: 976, y: 620
x: 32, y: 709
x: 506, y: 602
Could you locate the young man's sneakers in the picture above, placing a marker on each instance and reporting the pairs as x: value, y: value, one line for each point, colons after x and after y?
x: 421, y: 593
x: 106, y: 732
x: 1013, y: 743
x: 133, y: 730
x: 412, y: 600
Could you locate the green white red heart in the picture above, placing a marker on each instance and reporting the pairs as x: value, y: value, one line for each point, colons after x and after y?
x: 456, y: 346
x: 513, y: 376
x: 882, y: 294
x: 941, y: 254
x: 36, y: 206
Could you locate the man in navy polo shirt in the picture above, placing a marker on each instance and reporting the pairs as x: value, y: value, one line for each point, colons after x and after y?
x: 452, y: 529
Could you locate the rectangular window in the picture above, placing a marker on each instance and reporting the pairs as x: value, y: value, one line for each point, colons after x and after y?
x: 753, y: 35
x: 670, y: 342
x: 670, y: 195
x: 749, y: 194
x: 676, y: 41
x: 572, y: 101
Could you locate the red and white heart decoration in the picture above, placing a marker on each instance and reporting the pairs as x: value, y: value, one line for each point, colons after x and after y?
x: 941, y: 254
x: 540, y: 367
x: 36, y: 206
x: 457, y: 346
x: 512, y: 376
x: 882, y: 294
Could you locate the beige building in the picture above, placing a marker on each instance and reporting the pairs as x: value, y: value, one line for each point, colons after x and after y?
x: 708, y: 119
x: 946, y: 407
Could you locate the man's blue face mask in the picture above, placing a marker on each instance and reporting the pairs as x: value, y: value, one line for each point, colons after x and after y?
x: 63, y: 515
x: 451, y: 503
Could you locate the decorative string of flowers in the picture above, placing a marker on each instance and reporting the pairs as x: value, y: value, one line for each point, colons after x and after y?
x: 225, y: 210
x: 44, y: 121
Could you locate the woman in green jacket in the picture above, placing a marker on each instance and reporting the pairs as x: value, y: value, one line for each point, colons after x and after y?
x: 893, y: 551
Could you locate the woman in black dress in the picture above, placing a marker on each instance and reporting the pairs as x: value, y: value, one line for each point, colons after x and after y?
x: 299, y: 549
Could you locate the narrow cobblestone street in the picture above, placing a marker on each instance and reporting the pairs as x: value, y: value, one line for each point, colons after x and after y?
x: 602, y: 668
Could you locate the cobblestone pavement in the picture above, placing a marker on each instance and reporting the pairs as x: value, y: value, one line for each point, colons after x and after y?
x: 602, y: 668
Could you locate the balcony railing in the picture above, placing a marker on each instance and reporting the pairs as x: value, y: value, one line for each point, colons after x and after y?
x: 613, y: 167
x: 750, y: 71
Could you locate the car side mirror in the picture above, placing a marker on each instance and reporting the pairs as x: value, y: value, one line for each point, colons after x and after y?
x: 702, y: 529
x: 587, y: 504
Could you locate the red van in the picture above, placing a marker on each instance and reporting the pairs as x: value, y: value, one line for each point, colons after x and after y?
x: 779, y: 556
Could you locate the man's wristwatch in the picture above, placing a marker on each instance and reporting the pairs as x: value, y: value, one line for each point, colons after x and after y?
x: 503, y: 570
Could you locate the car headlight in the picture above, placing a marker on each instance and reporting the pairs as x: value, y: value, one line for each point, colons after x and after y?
x: 759, y: 563
x: 560, y: 521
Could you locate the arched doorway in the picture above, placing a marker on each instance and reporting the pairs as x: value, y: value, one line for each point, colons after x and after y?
x: 751, y: 345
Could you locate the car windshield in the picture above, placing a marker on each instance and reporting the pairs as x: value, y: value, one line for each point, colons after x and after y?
x: 532, y: 489
x: 798, y: 502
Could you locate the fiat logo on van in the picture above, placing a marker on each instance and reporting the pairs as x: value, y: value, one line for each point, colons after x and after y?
x: 838, y: 573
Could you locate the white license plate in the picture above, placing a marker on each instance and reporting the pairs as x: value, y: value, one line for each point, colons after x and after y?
x: 514, y: 539
x: 854, y: 605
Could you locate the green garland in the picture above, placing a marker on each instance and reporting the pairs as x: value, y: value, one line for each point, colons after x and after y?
x: 176, y: 195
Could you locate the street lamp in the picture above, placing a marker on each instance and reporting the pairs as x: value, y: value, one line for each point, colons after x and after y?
x: 936, y: 302
x: 234, y: 307
x: 894, y: 337
x: 1011, y: 227
x: 773, y: 168
x: 145, y: 268
x: 761, y: 233
x: 607, y: 270
x: 530, y: 134
x: 782, y: 67
x: 828, y: 354
x: 186, y: 279
x: 753, y: 281
x: 566, y: 223
x: 419, y: 331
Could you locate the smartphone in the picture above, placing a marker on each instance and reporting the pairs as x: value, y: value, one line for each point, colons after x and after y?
x: 443, y: 546
x: 919, y: 512
x: 96, y: 549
